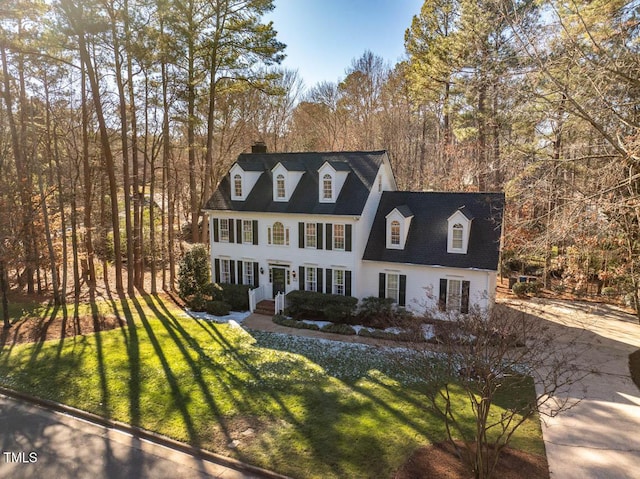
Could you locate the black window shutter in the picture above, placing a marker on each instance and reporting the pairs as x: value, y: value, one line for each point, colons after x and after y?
x: 240, y: 272
x: 328, y: 236
x: 216, y: 233
x: 442, y: 297
x: 347, y: 237
x: 301, y: 277
x: 319, y: 236
x: 231, y: 239
x: 255, y: 232
x: 464, y: 303
x: 329, y: 282
x: 381, y: 285
x: 239, y: 238
x: 216, y: 270
x: 402, y: 296
x: 347, y: 283
x: 232, y: 270
x: 256, y: 274
x: 301, y: 235
x: 319, y: 283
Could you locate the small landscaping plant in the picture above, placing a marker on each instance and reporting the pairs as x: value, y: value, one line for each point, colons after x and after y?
x: 217, y: 308
x: 338, y: 329
x: 292, y: 323
x: 523, y: 289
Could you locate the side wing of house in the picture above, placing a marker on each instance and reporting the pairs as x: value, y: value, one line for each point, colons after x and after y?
x: 434, y: 251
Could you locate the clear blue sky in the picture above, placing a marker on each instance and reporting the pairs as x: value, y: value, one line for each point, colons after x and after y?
x: 323, y: 36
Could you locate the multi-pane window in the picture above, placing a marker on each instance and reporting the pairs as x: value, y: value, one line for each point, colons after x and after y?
x: 248, y: 273
x: 278, y: 234
x: 327, y: 187
x: 338, y: 281
x: 395, y: 232
x: 392, y: 287
x: 338, y: 237
x: 280, y: 193
x: 311, y: 279
x: 237, y: 185
x: 247, y: 231
x: 225, y: 271
x: 456, y: 240
x: 454, y: 295
x: 224, y: 229
x: 310, y: 235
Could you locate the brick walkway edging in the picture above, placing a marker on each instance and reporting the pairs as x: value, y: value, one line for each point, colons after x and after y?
x: 143, y: 434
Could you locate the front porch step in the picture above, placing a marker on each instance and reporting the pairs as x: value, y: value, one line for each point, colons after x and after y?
x: 266, y: 307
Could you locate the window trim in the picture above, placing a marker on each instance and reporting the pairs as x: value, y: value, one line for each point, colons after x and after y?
x: 281, y: 187
x: 457, y: 237
x: 246, y: 231
x: 310, y: 278
x: 237, y: 185
x: 336, y: 284
x: 388, y: 290
x: 327, y: 187
x: 336, y: 237
x: 311, y: 239
x: 271, y: 234
x: 224, y: 262
x: 222, y: 230
x: 395, y: 233
x: 247, y: 274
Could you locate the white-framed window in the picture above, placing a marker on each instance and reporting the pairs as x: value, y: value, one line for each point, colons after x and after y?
x: 224, y: 229
x: 338, y: 281
x: 395, y: 232
x: 278, y: 234
x: 310, y: 279
x: 338, y: 237
x: 457, y: 232
x: 327, y: 187
x: 247, y: 231
x: 280, y: 191
x: 454, y: 294
x: 392, y: 287
x: 237, y: 185
x: 310, y: 238
x: 225, y: 271
x: 247, y: 273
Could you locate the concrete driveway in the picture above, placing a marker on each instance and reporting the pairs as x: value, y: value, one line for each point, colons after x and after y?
x: 37, y: 443
x: 600, y: 436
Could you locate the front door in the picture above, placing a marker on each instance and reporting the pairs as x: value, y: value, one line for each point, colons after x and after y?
x: 279, y: 280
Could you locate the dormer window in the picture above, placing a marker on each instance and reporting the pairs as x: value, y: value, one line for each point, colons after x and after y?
x: 398, y: 223
x: 456, y: 238
x: 332, y: 176
x: 327, y: 187
x: 458, y: 230
x: 280, y: 191
x: 395, y: 233
x: 237, y: 185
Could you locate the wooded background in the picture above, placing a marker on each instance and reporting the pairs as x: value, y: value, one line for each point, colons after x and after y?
x: 118, y: 119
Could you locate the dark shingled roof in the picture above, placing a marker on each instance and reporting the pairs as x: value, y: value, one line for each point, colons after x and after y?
x: 363, y: 167
x: 427, y: 239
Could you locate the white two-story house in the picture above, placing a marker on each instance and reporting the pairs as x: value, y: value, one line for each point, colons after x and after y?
x: 335, y: 223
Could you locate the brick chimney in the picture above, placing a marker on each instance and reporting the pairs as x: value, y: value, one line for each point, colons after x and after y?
x: 259, y: 147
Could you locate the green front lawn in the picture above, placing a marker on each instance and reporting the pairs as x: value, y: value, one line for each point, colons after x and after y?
x: 301, y: 407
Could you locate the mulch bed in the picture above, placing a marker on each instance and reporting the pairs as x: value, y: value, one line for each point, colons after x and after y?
x: 439, y: 461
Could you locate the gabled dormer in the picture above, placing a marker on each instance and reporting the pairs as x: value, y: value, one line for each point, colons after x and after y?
x: 242, y: 181
x: 285, y: 179
x: 331, y: 178
x: 398, y: 223
x: 458, y: 231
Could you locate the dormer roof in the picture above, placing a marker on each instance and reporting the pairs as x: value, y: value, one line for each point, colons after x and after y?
x: 362, y: 168
x: 403, y: 210
x: 426, y: 242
